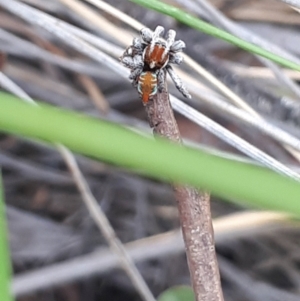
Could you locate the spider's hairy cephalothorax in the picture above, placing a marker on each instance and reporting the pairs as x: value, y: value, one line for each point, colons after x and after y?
x: 149, y: 57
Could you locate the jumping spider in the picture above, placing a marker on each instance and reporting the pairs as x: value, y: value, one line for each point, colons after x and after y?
x: 148, y: 57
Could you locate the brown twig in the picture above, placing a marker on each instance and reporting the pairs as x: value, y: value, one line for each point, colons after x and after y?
x: 2, y: 60
x: 194, y: 211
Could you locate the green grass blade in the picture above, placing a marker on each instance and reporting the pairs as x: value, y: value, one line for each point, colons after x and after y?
x: 5, y: 264
x: 159, y: 159
x: 202, y: 26
x: 177, y: 293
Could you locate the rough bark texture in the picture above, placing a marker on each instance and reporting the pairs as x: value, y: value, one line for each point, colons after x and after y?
x: 194, y: 212
x: 195, y: 219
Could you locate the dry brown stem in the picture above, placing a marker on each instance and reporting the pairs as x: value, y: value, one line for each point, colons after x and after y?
x: 194, y: 211
x: 2, y: 60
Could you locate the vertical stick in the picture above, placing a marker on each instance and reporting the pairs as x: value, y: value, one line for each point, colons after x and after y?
x: 194, y: 211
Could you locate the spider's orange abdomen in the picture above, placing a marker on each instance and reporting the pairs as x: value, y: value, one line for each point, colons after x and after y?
x: 155, y: 59
x: 147, y: 85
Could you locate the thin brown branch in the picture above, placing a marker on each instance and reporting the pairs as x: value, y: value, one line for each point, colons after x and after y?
x: 2, y: 60
x: 94, y: 93
x: 194, y: 211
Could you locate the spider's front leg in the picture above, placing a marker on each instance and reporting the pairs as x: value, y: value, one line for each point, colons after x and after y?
x: 157, y: 32
x: 177, y: 46
x: 138, y: 46
x: 175, y: 58
x: 155, y: 36
x: 146, y: 35
x: 170, y: 41
x: 178, y: 83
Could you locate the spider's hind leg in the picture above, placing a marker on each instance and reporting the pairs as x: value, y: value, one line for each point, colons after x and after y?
x: 135, y: 73
x: 178, y: 83
x: 136, y: 67
x: 134, y: 76
x: 127, y: 61
x: 161, y: 80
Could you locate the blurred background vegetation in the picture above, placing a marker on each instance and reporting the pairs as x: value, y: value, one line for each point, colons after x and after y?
x: 56, y: 249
